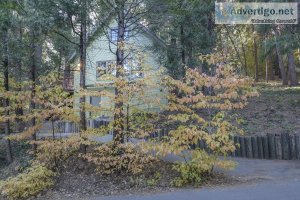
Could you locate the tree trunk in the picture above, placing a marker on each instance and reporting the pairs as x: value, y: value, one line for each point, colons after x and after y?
x: 67, y: 75
x: 190, y: 55
x: 83, y: 38
x: 292, y: 69
x: 19, y: 110
x: 119, y: 110
x: 59, y: 70
x: 245, y: 60
x: 281, y: 67
x: 269, y: 69
x: 9, y: 156
x: 32, y: 77
x: 183, y: 56
x: 127, y: 120
x: 234, y: 46
x: 280, y: 60
x: 255, y: 54
x: 244, y: 55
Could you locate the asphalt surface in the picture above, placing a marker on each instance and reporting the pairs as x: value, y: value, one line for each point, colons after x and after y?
x: 286, y: 190
x: 262, y: 180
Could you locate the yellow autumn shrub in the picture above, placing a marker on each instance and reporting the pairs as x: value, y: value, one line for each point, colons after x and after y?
x: 123, y: 158
x: 31, y: 182
x: 55, y: 153
x: 198, y: 110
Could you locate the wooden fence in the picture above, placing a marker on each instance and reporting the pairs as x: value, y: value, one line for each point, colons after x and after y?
x: 271, y: 146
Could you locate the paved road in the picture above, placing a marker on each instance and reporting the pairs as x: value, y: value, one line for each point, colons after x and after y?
x: 286, y: 190
x: 264, y: 180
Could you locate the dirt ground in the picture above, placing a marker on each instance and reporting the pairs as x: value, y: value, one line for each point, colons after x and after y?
x: 276, y: 110
x: 82, y: 184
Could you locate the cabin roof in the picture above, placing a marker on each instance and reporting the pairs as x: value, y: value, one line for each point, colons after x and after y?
x: 98, y: 31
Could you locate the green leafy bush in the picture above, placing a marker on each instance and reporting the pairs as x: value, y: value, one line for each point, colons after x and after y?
x: 154, y: 180
x: 193, y: 170
x: 32, y: 181
x: 198, y: 166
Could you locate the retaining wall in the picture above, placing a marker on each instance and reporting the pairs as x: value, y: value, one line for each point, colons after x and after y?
x: 271, y: 146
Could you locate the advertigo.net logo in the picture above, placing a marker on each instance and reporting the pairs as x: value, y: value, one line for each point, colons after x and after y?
x: 256, y: 13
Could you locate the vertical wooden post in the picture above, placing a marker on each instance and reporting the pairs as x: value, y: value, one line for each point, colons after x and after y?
x: 254, y: 146
x: 243, y: 149
x: 271, y: 142
x: 260, y: 147
x: 278, y: 147
x: 238, y: 146
x: 297, y: 141
x: 265, y: 147
x: 248, y: 144
x: 285, y: 146
x: 293, y: 154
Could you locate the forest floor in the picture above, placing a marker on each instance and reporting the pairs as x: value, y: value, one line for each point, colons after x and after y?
x: 276, y: 110
x: 76, y: 183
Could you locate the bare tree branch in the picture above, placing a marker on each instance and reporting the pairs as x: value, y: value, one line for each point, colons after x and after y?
x: 65, y: 37
x: 72, y: 24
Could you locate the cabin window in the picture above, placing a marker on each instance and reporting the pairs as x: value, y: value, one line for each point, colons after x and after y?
x: 133, y: 69
x: 105, y: 68
x: 95, y: 101
x: 114, y: 35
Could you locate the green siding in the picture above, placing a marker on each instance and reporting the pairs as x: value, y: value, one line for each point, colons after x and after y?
x: 99, y: 50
